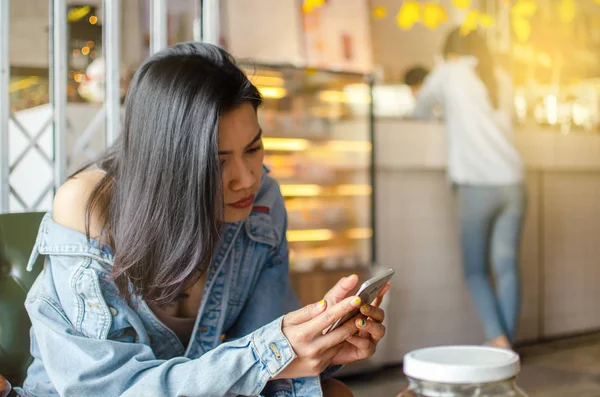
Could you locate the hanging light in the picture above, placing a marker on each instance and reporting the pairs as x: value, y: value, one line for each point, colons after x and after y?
x: 434, y: 14
x: 409, y: 14
x: 486, y: 20
x: 524, y: 8
x: 310, y: 5
x: 521, y: 12
x: 521, y: 28
x: 461, y: 3
x: 78, y: 13
x: 470, y: 22
x: 566, y: 10
x: 380, y: 12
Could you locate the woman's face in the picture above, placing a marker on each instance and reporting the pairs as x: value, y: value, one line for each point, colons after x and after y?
x: 241, y: 155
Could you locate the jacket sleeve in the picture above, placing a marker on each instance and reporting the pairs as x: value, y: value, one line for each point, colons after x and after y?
x: 80, y: 364
x: 263, y: 307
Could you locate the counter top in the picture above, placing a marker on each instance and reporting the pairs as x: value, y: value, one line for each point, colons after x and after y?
x: 412, y: 144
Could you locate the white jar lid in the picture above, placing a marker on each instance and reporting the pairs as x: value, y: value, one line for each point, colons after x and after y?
x: 461, y: 364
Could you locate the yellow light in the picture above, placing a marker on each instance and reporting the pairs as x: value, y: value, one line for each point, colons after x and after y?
x: 78, y: 13
x: 285, y: 144
x: 85, y: 50
x: 358, y: 93
x: 461, y: 3
x: 409, y: 14
x: 353, y: 95
x: 349, y: 146
x: 93, y: 19
x: 544, y: 59
x: 78, y: 77
x: 522, y: 28
x: 486, y: 21
x: 359, y: 233
x: 310, y: 5
x: 524, y: 8
x: 433, y: 15
x: 22, y: 84
x: 470, y: 22
x: 267, y: 81
x: 272, y: 92
x: 294, y: 236
x: 354, y: 190
x: 566, y: 10
x: 332, y: 96
x: 380, y: 12
x: 300, y: 190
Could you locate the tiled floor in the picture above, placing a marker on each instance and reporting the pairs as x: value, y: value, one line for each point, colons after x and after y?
x: 567, y: 368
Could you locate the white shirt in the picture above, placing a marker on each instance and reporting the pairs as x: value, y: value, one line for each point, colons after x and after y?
x: 480, y: 138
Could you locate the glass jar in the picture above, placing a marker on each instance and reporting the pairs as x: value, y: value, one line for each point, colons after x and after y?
x: 462, y: 371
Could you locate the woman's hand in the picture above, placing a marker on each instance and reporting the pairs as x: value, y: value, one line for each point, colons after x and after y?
x: 370, y: 332
x: 304, y: 330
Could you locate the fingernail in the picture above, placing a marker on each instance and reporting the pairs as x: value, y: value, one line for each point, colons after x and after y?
x: 352, y: 275
x: 355, y: 302
x: 360, y: 323
x: 321, y: 304
x: 365, y: 308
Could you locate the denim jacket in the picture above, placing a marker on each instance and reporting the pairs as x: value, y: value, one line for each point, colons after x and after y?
x: 86, y: 340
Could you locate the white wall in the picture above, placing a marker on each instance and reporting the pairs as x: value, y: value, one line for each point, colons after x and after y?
x: 264, y: 30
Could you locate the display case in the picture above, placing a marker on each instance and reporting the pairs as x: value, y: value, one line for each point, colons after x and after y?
x: 317, y: 129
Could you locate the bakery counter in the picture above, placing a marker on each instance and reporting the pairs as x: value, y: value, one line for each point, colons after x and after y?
x: 416, y: 230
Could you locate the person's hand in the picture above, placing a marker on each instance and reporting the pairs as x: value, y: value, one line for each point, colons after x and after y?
x: 370, y: 331
x: 341, y: 290
x: 304, y: 330
x: 4, y: 387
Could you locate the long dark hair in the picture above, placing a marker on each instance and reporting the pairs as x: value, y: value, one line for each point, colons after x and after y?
x: 161, y: 200
x: 474, y: 44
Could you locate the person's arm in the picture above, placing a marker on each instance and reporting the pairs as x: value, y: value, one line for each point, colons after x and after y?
x: 81, y: 365
x: 271, y: 297
x: 4, y: 387
x: 429, y: 95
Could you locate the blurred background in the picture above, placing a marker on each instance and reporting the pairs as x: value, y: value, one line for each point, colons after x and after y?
x: 365, y: 186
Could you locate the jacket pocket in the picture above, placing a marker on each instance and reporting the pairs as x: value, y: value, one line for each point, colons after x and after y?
x: 94, y: 317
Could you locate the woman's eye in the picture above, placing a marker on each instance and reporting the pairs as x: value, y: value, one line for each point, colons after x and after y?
x: 255, y: 149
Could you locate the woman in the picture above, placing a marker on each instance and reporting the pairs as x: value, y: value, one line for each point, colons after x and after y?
x: 488, y: 174
x: 167, y: 268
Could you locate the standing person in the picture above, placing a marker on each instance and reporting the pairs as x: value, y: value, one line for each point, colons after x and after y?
x: 414, y: 78
x: 487, y: 171
x: 166, y: 269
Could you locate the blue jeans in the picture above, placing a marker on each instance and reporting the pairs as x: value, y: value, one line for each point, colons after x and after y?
x: 491, y: 219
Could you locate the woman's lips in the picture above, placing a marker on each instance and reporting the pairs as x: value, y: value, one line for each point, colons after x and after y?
x: 243, y: 203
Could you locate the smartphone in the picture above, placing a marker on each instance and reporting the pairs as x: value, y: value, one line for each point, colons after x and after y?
x: 368, y: 292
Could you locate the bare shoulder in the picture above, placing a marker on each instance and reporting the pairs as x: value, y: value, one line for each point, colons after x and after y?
x: 71, y: 199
